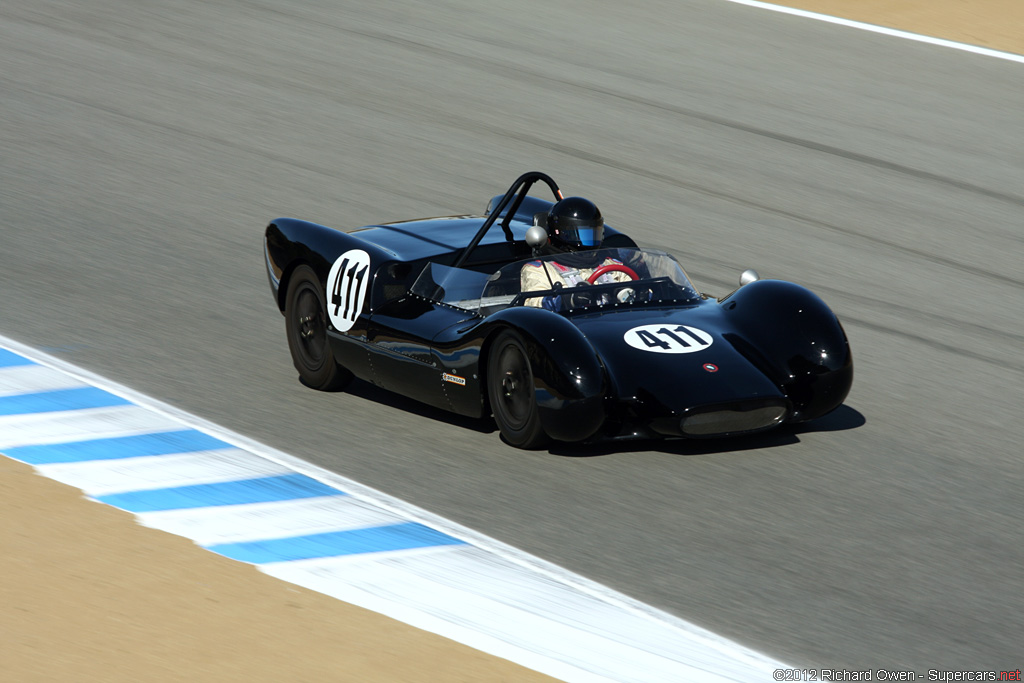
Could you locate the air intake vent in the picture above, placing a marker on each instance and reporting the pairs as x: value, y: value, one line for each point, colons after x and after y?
x: 730, y: 419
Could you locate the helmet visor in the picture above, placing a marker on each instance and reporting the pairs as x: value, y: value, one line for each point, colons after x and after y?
x: 589, y: 236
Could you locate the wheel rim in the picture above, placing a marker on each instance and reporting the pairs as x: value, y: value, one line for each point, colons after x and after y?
x: 514, y: 386
x: 310, y: 328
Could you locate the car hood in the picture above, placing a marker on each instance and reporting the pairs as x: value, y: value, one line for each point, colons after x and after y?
x: 666, y: 361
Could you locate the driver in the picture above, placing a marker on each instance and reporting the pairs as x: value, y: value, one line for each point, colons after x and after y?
x: 575, y: 228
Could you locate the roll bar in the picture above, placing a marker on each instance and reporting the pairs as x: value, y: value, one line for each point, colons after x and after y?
x: 518, y: 191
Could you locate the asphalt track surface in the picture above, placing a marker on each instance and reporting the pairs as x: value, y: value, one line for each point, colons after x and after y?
x: 144, y: 145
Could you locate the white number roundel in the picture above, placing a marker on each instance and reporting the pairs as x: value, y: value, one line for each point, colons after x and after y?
x: 661, y: 338
x: 346, y: 288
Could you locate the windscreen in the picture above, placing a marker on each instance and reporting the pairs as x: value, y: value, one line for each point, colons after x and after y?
x: 588, y: 279
x: 457, y: 287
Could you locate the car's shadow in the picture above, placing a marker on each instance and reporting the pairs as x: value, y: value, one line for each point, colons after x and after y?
x: 842, y: 418
x: 370, y: 392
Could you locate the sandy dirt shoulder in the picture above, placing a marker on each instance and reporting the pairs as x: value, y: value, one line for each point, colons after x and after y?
x: 88, y: 595
x: 995, y: 24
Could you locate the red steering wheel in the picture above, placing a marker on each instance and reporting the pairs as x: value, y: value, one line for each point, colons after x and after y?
x: 612, y: 268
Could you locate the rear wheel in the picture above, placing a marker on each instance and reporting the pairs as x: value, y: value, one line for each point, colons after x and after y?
x: 510, y: 389
x: 305, y: 315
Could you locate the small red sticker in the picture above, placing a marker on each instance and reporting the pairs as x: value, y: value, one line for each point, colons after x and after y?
x: 711, y: 367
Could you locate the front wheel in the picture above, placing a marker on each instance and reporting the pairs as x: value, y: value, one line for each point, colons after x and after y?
x: 305, y: 315
x: 510, y: 389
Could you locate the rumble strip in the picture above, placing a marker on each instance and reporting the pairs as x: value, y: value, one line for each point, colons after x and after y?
x: 312, y: 527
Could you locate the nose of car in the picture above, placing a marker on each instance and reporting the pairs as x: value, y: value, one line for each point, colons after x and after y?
x: 684, y: 380
x: 701, y: 399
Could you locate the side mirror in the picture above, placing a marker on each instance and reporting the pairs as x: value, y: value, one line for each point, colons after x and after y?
x: 747, y: 276
x: 536, y: 236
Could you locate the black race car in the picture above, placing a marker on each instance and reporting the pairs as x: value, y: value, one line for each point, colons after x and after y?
x: 435, y: 309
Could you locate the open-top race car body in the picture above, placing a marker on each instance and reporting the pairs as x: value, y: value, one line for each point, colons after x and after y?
x: 435, y: 309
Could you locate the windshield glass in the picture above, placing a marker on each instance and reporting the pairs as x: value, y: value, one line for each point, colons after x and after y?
x: 588, y: 279
x: 457, y: 287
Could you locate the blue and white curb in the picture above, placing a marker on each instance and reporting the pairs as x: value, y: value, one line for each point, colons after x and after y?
x: 314, y: 528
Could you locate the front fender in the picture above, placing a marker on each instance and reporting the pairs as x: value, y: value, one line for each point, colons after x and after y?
x: 569, y: 378
x: 793, y: 336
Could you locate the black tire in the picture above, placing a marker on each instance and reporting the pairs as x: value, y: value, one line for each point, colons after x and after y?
x: 305, y: 315
x: 510, y: 389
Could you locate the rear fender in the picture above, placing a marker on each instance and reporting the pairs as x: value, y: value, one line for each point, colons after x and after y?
x: 289, y: 243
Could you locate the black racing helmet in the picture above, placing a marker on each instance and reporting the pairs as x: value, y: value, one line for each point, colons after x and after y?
x: 575, y: 223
